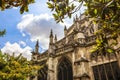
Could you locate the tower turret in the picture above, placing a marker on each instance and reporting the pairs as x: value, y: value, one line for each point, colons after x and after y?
x: 51, y: 37
x: 65, y: 31
x: 51, y: 43
x: 77, y: 17
x: 37, y: 47
x: 55, y: 39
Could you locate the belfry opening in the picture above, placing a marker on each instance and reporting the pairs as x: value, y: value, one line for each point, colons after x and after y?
x: 65, y: 70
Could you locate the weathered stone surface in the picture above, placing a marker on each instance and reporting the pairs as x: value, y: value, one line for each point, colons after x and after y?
x: 75, y: 47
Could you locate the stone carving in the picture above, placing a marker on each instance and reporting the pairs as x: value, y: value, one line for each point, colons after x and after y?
x: 77, y: 43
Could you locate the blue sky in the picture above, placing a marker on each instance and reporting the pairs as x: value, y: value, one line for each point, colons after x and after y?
x: 24, y: 29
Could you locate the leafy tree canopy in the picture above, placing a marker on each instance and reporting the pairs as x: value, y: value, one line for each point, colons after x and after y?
x: 7, y: 4
x: 15, y: 68
x: 23, y: 4
x: 106, y: 14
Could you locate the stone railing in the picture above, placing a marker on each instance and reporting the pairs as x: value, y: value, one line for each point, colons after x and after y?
x: 70, y: 38
x: 86, y: 41
x: 91, y: 39
x: 43, y: 56
x: 66, y: 40
x: 82, y: 41
x: 60, y: 43
x: 64, y: 49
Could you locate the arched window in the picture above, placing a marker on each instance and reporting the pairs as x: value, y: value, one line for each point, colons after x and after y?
x: 65, y: 70
x: 42, y: 73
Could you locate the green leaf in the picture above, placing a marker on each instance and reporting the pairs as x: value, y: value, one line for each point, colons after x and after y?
x: 80, y: 0
x: 55, y: 16
x: 110, y: 50
x: 72, y: 6
x: 0, y: 3
x: 2, y: 33
x: 60, y: 13
x: 95, y: 11
x: 50, y: 5
x: 26, y: 9
x: 22, y: 10
x: 69, y: 14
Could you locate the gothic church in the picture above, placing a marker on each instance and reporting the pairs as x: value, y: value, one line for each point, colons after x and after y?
x: 71, y: 59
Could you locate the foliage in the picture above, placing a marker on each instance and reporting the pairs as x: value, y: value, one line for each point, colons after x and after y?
x: 23, y: 4
x: 15, y: 68
x: 2, y: 32
x: 106, y: 14
x: 7, y: 4
x: 62, y: 8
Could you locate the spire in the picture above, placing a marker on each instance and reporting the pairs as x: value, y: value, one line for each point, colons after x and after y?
x: 51, y: 36
x: 76, y: 17
x: 37, y: 43
x: 65, y: 28
x: 37, y: 46
x: 55, y: 38
x: 80, y: 16
x: 65, y: 31
x: 51, y: 33
x: 74, y: 20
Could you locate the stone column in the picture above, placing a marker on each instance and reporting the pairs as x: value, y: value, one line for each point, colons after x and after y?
x: 73, y: 65
x: 50, y: 69
x: 55, y: 68
x: 83, y: 64
x: 118, y: 57
x: 36, y: 77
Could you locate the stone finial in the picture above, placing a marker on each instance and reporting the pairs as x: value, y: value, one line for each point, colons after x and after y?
x: 51, y: 36
x: 37, y: 43
x: 65, y: 28
x: 37, y: 46
x: 74, y: 20
x: 65, y: 31
x: 76, y: 17
x: 55, y: 38
x: 51, y: 33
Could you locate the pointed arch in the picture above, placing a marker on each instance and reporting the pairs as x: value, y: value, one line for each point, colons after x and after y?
x: 42, y: 73
x: 64, y: 69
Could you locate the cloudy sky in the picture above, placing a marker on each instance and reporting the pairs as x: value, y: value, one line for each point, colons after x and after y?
x: 24, y: 29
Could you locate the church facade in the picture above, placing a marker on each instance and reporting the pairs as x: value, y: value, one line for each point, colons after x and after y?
x: 71, y: 59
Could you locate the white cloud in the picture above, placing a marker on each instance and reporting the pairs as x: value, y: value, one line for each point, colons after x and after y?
x: 22, y: 43
x: 14, y: 7
x: 39, y: 26
x: 15, y: 48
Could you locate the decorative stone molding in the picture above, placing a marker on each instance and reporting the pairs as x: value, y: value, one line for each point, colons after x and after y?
x: 82, y: 59
x: 85, y: 75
